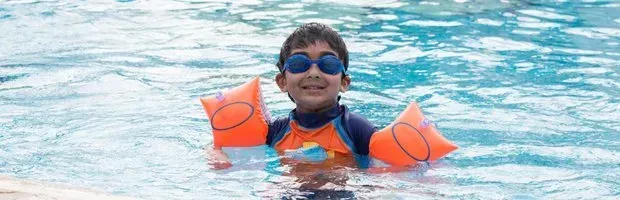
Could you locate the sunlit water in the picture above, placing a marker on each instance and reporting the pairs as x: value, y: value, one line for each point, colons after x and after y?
x: 104, y: 94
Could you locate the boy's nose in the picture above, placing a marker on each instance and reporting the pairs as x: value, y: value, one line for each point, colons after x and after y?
x: 314, y: 71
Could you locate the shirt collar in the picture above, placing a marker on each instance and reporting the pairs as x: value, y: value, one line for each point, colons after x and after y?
x: 315, y: 120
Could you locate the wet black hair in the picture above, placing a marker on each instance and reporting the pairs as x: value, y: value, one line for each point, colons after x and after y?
x: 309, y: 34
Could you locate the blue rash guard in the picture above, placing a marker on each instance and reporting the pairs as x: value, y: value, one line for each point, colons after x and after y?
x: 357, y: 128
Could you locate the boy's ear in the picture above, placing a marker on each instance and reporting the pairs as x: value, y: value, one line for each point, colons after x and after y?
x: 281, y: 81
x: 344, y: 84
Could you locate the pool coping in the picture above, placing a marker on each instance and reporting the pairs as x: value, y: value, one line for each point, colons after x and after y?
x: 17, y: 189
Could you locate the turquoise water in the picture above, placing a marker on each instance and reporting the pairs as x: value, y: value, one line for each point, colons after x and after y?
x: 104, y: 94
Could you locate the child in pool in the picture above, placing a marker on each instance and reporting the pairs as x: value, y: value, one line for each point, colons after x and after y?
x: 312, y: 69
x: 313, y: 64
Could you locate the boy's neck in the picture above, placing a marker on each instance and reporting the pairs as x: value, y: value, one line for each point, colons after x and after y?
x: 317, y: 119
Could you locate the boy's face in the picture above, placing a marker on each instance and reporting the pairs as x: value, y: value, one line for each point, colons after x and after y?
x: 313, y: 90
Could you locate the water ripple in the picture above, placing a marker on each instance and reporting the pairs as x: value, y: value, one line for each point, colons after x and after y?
x: 430, y: 23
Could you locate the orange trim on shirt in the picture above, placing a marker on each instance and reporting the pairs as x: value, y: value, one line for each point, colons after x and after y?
x: 326, y: 137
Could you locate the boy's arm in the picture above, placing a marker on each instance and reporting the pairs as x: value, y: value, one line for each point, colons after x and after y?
x: 238, y: 117
x: 410, y: 139
x: 275, y: 128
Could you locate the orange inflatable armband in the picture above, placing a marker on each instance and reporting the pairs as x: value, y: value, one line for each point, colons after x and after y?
x: 238, y: 117
x: 411, y: 138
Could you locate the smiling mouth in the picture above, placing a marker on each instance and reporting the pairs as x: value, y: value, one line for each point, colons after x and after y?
x: 312, y: 88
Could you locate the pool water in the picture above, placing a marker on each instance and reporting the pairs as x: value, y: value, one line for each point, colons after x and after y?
x: 104, y: 94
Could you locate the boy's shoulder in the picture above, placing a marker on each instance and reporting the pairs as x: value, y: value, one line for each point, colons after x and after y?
x: 351, y: 117
x: 280, y: 121
x: 360, y: 130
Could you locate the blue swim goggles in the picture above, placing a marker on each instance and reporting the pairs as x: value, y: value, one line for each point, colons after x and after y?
x: 299, y: 63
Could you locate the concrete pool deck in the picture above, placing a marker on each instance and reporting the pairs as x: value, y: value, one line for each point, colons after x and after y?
x: 16, y: 189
